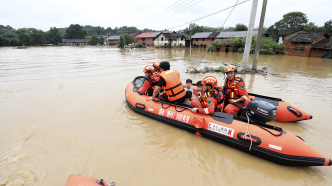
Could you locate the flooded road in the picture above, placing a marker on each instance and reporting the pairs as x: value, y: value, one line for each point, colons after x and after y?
x: 63, y: 112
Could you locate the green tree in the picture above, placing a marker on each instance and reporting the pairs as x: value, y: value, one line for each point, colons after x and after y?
x: 54, y: 36
x: 94, y: 40
x: 6, y: 29
x: 193, y: 29
x: 128, y: 40
x: 292, y: 20
x: 328, y: 27
x: 31, y: 36
x: 23, y: 36
x: 75, y: 32
x: 240, y: 27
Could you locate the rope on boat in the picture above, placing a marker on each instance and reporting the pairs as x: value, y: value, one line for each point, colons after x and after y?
x: 247, y: 133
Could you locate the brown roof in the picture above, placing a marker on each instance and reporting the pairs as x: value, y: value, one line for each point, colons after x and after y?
x: 306, y: 37
x: 325, y: 44
x: 274, y: 37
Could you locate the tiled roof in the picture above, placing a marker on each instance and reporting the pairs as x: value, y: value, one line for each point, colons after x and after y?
x: 133, y: 34
x: 201, y: 35
x: 306, y: 37
x: 148, y: 34
x: 240, y: 34
x: 286, y: 32
x: 113, y: 38
x: 74, y: 40
x: 324, y: 44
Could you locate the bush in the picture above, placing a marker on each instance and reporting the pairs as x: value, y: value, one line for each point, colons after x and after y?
x: 268, y: 46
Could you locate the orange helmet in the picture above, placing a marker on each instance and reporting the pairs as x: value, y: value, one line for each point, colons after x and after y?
x: 156, y: 65
x: 148, y: 69
x: 210, y: 80
x: 231, y: 68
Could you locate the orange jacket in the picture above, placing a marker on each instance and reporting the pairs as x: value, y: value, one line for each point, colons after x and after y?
x: 212, y: 101
x: 174, y: 88
x: 149, y: 82
x: 235, y: 89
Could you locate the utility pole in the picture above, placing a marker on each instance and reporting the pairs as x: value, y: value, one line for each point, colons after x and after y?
x: 259, y: 36
x: 190, y: 37
x: 124, y: 40
x: 249, y: 35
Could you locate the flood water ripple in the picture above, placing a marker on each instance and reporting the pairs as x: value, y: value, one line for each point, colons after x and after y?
x: 63, y: 112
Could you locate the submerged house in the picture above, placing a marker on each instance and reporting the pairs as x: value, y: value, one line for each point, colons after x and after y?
x: 113, y: 40
x: 172, y: 39
x: 74, y: 42
x: 233, y: 34
x: 203, y: 39
x: 147, y: 39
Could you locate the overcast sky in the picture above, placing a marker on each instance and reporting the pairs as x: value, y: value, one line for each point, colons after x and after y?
x: 43, y: 14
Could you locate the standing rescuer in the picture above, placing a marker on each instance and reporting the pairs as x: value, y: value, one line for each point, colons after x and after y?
x: 212, y: 97
x: 234, y: 91
x: 150, y: 81
x: 170, y: 80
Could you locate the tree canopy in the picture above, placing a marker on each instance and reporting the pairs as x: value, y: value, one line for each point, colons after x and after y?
x: 293, y: 20
x: 193, y: 29
x: 128, y: 40
x: 75, y: 32
x: 328, y: 27
x: 240, y: 27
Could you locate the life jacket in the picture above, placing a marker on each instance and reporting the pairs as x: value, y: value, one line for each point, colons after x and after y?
x: 230, y: 91
x: 174, y: 88
x: 153, y: 79
x: 218, y: 96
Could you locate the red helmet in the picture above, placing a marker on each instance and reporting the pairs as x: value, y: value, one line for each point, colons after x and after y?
x: 148, y: 69
x: 156, y: 65
x: 231, y: 68
x: 210, y: 80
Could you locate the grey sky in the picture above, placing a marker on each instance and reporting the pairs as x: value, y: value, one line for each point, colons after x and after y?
x: 43, y: 14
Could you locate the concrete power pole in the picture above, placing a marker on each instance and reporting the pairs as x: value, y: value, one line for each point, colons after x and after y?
x: 249, y: 35
x: 259, y: 36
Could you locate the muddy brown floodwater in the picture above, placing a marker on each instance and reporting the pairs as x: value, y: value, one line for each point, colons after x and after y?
x: 63, y: 112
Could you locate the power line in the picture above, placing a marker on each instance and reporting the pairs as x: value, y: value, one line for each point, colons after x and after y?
x: 209, y: 14
x: 159, y: 12
x: 229, y: 14
x: 165, y: 14
x: 174, y: 13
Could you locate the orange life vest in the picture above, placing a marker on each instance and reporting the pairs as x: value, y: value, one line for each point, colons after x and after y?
x: 174, y: 88
x: 153, y: 79
x: 218, y: 96
x: 234, y: 90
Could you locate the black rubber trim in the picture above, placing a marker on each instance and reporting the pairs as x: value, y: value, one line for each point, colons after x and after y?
x: 223, y: 117
x: 140, y: 106
x: 330, y: 162
x: 294, y: 111
x: 248, y: 140
x: 310, y: 116
x: 279, y: 158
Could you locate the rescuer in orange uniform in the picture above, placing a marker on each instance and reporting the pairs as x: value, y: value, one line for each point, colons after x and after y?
x: 234, y: 91
x: 156, y: 68
x: 213, y: 99
x: 150, y: 82
x: 170, y: 79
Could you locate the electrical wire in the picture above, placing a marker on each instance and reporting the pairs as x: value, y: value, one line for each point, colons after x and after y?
x: 208, y: 15
x: 229, y: 14
x: 154, y: 22
x: 159, y: 13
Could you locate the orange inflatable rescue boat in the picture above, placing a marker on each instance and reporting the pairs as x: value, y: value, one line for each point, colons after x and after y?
x: 76, y: 180
x: 248, y: 132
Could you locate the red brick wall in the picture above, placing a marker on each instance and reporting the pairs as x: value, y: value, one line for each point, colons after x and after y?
x: 146, y: 41
x: 113, y: 42
x: 287, y: 37
x: 200, y: 42
x: 318, y: 52
x: 223, y: 48
x: 305, y: 53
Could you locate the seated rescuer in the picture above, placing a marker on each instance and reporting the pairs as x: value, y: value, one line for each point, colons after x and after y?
x: 189, y: 83
x: 234, y: 90
x: 156, y: 68
x: 170, y: 79
x: 213, y: 99
x: 150, y: 80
